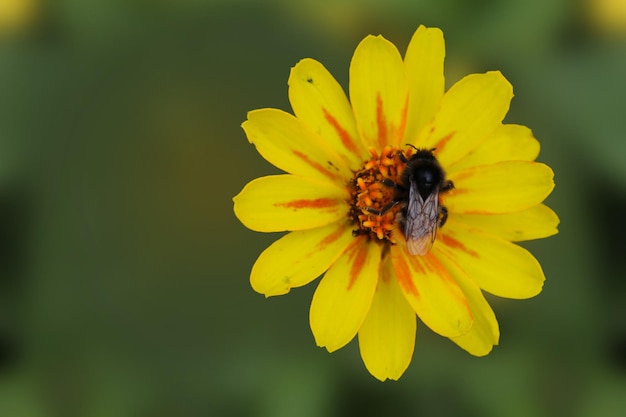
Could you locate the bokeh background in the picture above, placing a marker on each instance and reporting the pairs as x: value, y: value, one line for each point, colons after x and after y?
x: 124, y: 273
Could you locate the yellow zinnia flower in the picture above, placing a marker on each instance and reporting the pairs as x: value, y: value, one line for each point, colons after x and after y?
x: 344, y: 162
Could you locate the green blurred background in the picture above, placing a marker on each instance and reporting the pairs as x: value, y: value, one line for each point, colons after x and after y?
x: 124, y: 273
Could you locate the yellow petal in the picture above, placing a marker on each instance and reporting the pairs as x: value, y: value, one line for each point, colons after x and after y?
x: 432, y: 292
x: 289, y: 145
x: 344, y: 295
x: 286, y: 202
x: 298, y: 258
x: 506, y: 143
x: 485, y: 333
x: 499, y: 188
x: 470, y: 111
x: 424, y: 69
x: 387, y: 336
x: 496, y: 265
x: 379, y: 92
x: 319, y: 102
x: 534, y: 223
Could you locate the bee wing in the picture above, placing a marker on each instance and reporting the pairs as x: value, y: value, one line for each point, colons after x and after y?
x: 421, y: 221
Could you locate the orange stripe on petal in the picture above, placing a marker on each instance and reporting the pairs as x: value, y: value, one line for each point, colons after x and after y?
x: 333, y: 237
x: 320, y: 103
x: 346, y: 138
x: 287, y: 202
x: 441, y: 144
x: 506, y: 186
x: 434, y: 266
x: 503, y: 268
x: 534, y: 223
x: 379, y: 92
x: 432, y: 292
x: 403, y: 274
x: 387, y: 132
x: 318, y: 203
x: 331, y: 175
x: 507, y: 143
x: 484, y: 333
x: 387, y: 336
x: 291, y: 146
x: 381, y: 122
x: 473, y: 108
x: 454, y: 244
x: 343, y: 297
x: 358, y: 256
x: 424, y: 69
x: 298, y: 258
x: 403, y: 122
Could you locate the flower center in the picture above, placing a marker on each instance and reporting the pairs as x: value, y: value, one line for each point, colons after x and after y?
x: 372, y: 192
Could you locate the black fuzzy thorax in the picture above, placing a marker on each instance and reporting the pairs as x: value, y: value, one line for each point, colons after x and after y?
x: 424, y: 170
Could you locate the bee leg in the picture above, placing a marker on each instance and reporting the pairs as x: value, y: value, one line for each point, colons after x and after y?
x: 382, y: 210
x: 443, y: 215
x: 388, y: 183
x: 446, y: 186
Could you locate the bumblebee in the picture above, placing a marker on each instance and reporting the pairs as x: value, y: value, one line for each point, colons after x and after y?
x: 421, y: 182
